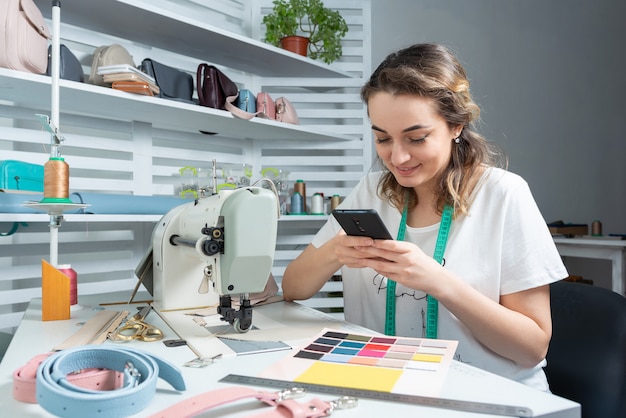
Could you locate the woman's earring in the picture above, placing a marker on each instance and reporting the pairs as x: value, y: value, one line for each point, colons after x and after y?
x: 457, y: 140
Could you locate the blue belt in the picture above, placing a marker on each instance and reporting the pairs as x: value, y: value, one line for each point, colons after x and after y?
x: 141, y: 372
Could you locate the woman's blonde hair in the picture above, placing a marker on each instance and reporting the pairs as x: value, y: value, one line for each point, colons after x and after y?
x: 432, y: 71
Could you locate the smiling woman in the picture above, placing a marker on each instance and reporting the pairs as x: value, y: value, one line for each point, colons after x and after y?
x: 427, y: 82
x: 413, y: 141
x: 473, y: 255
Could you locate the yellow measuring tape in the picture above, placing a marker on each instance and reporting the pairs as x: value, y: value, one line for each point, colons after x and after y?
x: 432, y: 306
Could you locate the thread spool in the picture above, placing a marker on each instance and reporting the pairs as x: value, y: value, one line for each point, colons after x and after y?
x: 317, y: 204
x: 300, y: 187
x: 56, y: 181
x: 596, y: 228
x: 73, y: 276
x: 296, y: 203
x: 334, y: 202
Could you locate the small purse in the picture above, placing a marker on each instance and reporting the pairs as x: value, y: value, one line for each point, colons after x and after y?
x: 173, y: 83
x: 246, y: 101
x: 285, y: 112
x: 265, y: 105
x: 106, y: 55
x: 214, y: 87
x: 20, y: 175
x: 69, y: 66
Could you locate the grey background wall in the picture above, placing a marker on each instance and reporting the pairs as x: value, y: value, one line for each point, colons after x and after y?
x: 550, y: 79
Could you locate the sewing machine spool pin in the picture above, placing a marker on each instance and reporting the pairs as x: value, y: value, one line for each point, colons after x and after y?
x: 209, y: 246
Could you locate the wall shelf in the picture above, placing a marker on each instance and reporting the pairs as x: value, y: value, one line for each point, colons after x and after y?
x: 174, y: 32
x: 33, y: 90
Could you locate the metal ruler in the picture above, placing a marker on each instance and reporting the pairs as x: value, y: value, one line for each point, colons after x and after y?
x: 458, y: 405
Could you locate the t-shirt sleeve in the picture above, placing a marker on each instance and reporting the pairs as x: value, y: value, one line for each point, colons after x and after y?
x: 529, y: 255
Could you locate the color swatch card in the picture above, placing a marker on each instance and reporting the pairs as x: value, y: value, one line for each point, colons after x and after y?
x: 411, y: 366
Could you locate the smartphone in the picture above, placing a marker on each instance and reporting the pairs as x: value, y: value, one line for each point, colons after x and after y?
x: 362, y: 222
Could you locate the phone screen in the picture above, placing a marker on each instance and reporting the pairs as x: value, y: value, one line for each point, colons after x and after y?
x: 362, y: 222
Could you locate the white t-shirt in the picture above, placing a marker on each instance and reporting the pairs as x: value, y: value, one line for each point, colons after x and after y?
x: 502, y: 246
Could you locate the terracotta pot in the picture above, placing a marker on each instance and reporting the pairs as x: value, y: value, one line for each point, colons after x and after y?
x: 296, y: 44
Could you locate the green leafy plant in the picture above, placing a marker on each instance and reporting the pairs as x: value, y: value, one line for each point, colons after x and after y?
x: 324, y: 27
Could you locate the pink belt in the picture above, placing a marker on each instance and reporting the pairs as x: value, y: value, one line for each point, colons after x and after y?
x: 24, y: 379
x: 285, y: 406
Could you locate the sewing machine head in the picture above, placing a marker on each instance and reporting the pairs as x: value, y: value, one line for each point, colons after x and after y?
x: 206, y: 251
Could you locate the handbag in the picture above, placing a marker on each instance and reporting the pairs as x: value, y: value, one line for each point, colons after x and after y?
x: 214, y: 87
x: 285, y: 112
x: 106, y: 55
x: 246, y: 101
x: 69, y: 66
x: 20, y: 175
x: 23, y: 37
x: 265, y: 105
x: 173, y: 83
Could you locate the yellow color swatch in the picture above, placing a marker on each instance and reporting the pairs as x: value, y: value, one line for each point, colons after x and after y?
x: 432, y: 358
x: 351, y: 376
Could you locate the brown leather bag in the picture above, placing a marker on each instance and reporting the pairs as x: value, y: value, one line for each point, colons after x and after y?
x: 214, y: 87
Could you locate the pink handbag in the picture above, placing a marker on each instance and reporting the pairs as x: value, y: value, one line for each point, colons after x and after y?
x: 265, y: 106
x: 285, y: 112
x: 23, y: 37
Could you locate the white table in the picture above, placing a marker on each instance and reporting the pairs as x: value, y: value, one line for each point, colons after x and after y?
x: 462, y: 382
x: 605, y: 249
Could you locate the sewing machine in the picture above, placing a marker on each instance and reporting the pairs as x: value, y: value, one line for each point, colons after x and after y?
x: 209, y: 250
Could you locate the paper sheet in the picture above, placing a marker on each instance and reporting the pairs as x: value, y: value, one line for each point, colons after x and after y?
x: 411, y: 366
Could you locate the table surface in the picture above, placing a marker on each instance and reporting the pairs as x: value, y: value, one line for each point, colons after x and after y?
x: 613, y: 250
x: 463, y: 382
x: 592, y: 242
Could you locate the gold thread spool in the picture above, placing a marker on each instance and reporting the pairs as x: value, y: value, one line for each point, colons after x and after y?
x: 56, y: 179
x: 596, y: 228
x: 334, y: 202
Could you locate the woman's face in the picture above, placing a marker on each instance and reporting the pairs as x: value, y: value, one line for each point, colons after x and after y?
x: 412, y: 139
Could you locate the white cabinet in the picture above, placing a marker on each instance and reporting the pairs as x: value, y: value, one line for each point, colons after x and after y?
x: 120, y: 143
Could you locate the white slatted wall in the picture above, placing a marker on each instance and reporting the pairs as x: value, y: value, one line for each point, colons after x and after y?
x: 126, y: 157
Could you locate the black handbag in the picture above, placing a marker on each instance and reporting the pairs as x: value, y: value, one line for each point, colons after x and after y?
x: 174, y: 84
x: 69, y: 66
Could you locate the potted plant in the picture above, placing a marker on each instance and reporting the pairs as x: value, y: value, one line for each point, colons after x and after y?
x: 324, y: 28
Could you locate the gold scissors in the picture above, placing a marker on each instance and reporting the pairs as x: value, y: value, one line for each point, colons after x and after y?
x: 136, y: 328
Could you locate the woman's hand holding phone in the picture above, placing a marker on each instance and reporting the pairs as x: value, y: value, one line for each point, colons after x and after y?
x: 362, y: 222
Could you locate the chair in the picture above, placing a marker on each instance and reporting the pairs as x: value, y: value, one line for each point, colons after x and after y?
x: 586, y: 359
x: 5, y: 340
